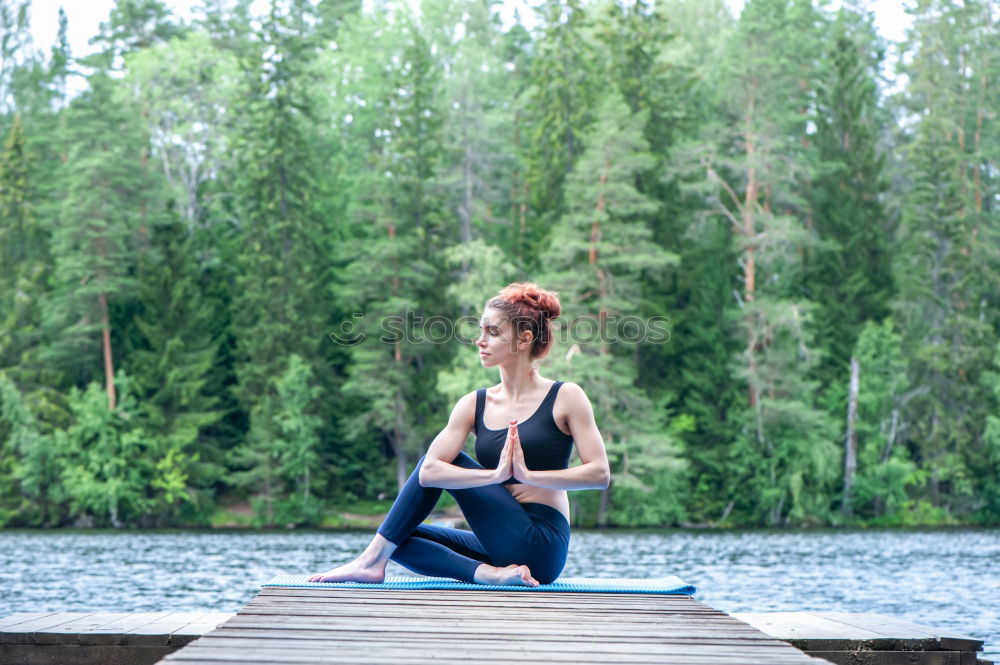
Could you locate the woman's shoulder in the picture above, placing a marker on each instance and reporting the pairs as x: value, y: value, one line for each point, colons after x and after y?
x: 571, y: 398
x: 571, y: 388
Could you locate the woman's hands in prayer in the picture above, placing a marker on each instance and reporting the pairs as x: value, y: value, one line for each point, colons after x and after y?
x: 512, y: 458
x: 506, y: 463
x: 519, y: 468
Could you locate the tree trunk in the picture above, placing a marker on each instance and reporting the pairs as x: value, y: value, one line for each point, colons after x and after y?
x: 595, y: 237
x: 890, y: 440
x: 851, y: 440
x: 109, y: 367
x: 749, y: 266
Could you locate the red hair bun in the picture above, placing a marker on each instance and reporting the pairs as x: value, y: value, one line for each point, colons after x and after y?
x: 532, y: 308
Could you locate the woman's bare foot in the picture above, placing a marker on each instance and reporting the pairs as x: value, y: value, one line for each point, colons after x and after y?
x: 512, y: 575
x: 355, y: 571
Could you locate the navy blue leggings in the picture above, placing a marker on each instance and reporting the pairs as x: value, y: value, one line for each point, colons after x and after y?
x: 503, y: 532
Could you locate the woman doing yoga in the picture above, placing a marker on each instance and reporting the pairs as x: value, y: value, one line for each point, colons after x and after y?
x: 514, y: 497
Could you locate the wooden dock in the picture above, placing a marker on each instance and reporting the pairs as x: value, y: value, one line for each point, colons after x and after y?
x: 867, y: 639
x: 100, y: 638
x: 340, y: 625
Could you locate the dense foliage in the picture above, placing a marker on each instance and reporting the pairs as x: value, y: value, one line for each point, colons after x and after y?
x: 243, y: 255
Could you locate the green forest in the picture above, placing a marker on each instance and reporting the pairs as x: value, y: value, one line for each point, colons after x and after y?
x: 244, y: 255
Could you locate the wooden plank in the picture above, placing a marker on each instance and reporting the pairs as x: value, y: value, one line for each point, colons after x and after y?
x: 540, y: 648
x: 335, y: 658
x: 549, y: 617
x: 906, y: 630
x: 201, y: 625
x: 192, y: 631
x: 846, y: 631
x: 23, y: 633
x: 270, y: 632
x: 158, y: 633
x: 389, y: 632
x: 536, y: 615
x: 391, y: 626
x: 477, y: 610
x: 69, y: 632
x: 113, y: 633
x: 813, y: 633
x: 459, y: 626
x: 456, y: 653
x: 23, y: 617
x: 610, y: 607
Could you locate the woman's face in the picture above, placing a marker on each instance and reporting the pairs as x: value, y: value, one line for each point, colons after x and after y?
x: 496, y: 343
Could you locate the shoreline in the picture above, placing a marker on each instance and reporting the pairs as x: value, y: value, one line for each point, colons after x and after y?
x: 351, y: 522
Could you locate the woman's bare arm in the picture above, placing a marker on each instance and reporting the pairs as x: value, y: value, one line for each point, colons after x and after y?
x: 595, y: 472
x: 436, y: 472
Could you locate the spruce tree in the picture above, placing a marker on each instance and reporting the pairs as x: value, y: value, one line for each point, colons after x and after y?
x: 753, y: 162
x: 110, y: 187
x: 948, y: 263
x: 600, y: 251
x: 393, y: 274
x: 281, y: 306
x: 988, y: 467
x: 173, y: 362
x: 885, y: 472
x: 557, y: 102
x: 703, y: 340
x: 848, y: 273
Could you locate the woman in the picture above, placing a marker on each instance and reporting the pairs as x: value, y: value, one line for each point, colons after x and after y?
x: 514, y: 498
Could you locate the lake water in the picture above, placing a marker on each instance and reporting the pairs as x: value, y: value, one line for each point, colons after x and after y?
x: 949, y: 579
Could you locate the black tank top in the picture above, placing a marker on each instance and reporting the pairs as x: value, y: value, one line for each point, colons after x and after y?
x: 545, y: 446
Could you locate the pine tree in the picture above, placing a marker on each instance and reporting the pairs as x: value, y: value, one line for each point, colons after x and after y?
x: 109, y: 189
x: 557, y: 102
x: 479, y: 169
x: 28, y: 474
x: 393, y: 276
x: 14, y: 48
x: 21, y: 245
x: 948, y: 263
x: 692, y: 369
x: 600, y: 251
x: 298, y: 441
x: 704, y: 340
x: 281, y: 306
x: 885, y: 470
x: 848, y: 273
x: 988, y: 468
x: 173, y: 362
x: 754, y: 162
x: 134, y: 25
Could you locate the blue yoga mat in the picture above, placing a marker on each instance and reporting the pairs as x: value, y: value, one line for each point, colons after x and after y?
x: 664, y: 585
